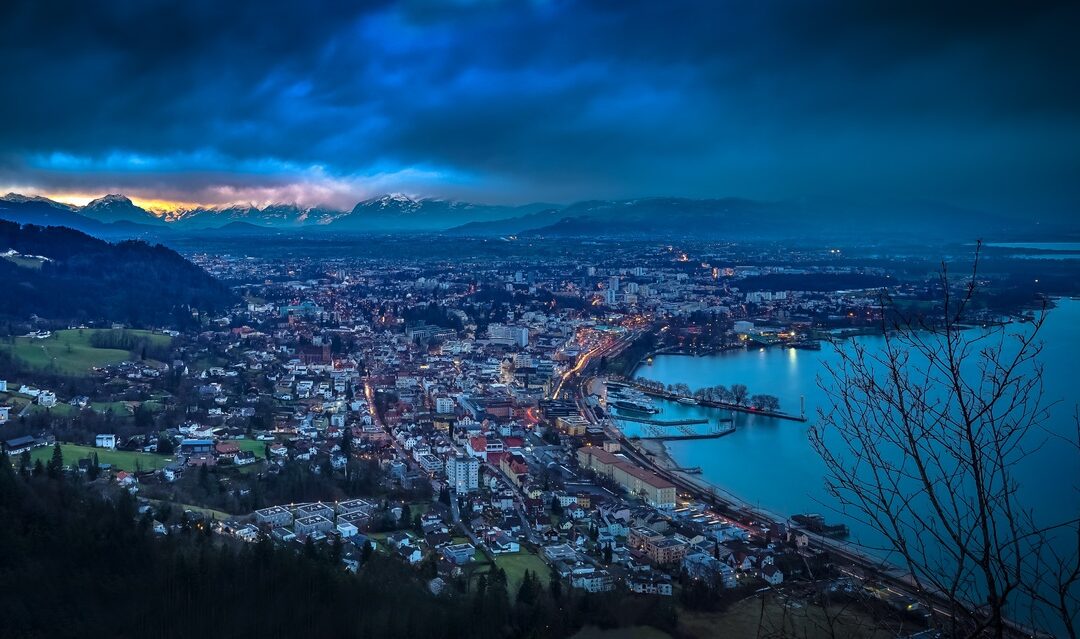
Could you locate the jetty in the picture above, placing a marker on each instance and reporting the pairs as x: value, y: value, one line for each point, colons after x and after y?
x: 663, y: 422
x: 663, y: 437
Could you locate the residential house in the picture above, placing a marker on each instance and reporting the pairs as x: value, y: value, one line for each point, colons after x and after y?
x: 274, y: 516
x: 316, y: 508
x: 459, y: 554
x: 304, y: 526
x: 772, y: 575
x: 592, y: 579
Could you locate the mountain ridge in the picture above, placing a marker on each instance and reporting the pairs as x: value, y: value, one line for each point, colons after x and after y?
x: 650, y: 216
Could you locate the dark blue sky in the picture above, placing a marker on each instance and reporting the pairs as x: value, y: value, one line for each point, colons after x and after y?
x: 976, y: 105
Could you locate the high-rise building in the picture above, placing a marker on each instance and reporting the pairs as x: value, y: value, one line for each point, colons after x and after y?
x: 463, y: 473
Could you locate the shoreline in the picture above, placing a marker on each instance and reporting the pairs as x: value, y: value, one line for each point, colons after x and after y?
x: 657, y: 451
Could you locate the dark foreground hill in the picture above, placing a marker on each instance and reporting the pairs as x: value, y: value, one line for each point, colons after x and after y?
x: 62, y: 274
x: 86, y: 564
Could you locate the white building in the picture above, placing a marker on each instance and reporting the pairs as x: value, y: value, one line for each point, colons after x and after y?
x: 590, y: 579
x: 444, y: 405
x: 463, y: 473
x: 47, y: 399
x: 105, y: 441
x: 744, y: 326
x: 501, y: 333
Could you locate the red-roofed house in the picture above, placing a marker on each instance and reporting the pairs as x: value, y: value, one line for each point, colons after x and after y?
x: 478, y: 446
x: 226, y: 450
x: 515, y: 467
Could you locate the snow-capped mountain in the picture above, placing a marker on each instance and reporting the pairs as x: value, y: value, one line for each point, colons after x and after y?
x: 273, y: 215
x: 644, y: 217
x: 118, y: 208
x: 19, y: 198
x: 391, y: 212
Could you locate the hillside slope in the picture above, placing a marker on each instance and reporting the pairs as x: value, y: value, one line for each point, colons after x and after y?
x: 80, y: 278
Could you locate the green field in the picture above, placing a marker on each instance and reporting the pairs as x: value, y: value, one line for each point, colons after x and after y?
x: 120, y: 459
x: 253, y: 445
x: 206, y: 512
x: 69, y: 352
x: 515, y: 565
x: 63, y: 409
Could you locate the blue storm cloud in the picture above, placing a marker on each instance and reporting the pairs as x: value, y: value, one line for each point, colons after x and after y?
x: 977, y: 104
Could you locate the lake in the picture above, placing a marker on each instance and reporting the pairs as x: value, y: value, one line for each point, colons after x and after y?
x: 770, y: 463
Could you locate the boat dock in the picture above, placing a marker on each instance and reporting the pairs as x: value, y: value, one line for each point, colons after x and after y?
x: 662, y: 422
x: 686, y: 436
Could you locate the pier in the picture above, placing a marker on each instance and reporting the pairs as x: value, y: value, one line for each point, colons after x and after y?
x: 715, y: 434
x: 663, y: 422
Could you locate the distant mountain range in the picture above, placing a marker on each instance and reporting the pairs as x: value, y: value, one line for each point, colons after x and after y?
x: 731, y: 218
x: 383, y: 214
x: 646, y: 217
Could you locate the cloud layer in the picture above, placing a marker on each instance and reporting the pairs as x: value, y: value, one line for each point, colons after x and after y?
x: 327, y: 102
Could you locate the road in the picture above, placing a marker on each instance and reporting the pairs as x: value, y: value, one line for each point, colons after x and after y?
x: 519, y: 503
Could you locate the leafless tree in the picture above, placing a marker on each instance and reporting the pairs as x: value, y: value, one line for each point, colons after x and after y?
x: 739, y: 393
x: 921, y: 441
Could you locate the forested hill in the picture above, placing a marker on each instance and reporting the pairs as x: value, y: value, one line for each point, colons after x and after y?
x: 79, y: 561
x: 62, y: 274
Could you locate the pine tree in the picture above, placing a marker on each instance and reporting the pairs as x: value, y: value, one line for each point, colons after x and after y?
x: 530, y: 585
x: 204, y: 478
x: 336, y: 551
x: 8, y: 487
x: 56, y: 463
x: 555, y: 586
